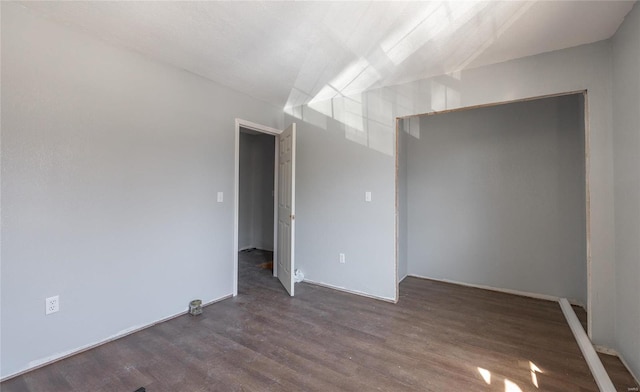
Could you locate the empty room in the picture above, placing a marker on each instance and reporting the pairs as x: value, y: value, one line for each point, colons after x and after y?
x: 321, y: 196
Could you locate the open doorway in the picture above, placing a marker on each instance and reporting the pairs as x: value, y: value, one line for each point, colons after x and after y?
x: 497, y: 197
x: 256, y: 195
x: 256, y: 192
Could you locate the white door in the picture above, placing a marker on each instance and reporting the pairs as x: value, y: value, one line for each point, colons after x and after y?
x: 286, y: 206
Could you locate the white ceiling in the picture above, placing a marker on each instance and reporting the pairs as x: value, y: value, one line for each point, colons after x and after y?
x: 289, y: 53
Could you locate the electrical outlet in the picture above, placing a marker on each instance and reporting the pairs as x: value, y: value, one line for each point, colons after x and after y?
x: 342, y: 258
x: 52, y: 304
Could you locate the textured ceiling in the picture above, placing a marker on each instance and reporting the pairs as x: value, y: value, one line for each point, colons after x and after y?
x: 289, y: 53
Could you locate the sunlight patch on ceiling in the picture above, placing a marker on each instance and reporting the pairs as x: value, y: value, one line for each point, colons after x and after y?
x: 452, y: 33
x: 438, y: 18
x: 287, y: 53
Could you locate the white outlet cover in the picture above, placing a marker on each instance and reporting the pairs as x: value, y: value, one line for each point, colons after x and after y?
x: 367, y: 196
x: 220, y: 197
x: 52, y: 304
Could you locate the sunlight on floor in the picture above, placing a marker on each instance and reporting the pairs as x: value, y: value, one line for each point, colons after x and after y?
x: 510, y: 386
x: 486, y: 375
x: 534, y: 377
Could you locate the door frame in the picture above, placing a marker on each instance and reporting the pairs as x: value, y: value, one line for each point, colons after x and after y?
x: 239, y: 123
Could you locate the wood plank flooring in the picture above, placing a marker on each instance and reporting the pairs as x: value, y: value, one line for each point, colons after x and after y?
x: 620, y: 376
x: 438, y: 337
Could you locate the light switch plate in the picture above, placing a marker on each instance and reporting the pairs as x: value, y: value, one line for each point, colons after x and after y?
x: 220, y: 197
x: 367, y: 196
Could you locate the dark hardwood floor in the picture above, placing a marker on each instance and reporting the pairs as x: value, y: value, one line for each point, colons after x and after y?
x: 620, y: 376
x: 581, y: 313
x: 438, y: 337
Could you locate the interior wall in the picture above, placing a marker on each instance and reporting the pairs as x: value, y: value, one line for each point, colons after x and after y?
x: 245, y: 196
x: 626, y: 125
x: 405, y: 128
x: 265, y: 159
x: 347, y: 146
x: 496, y: 197
x: 332, y: 217
x: 255, y: 215
x: 110, y: 167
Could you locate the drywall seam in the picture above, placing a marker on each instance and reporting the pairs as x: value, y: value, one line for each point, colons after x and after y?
x: 37, y: 364
x: 355, y: 292
x: 597, y: 370
x: 545, y: 297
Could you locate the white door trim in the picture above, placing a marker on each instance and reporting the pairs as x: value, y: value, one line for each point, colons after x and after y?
x: 236, y: 193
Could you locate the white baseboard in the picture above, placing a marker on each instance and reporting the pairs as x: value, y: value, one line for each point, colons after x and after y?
x: 403, y: 278
x: 360, y: 293
x: 33, y: 365
x: 545, y: 297
x: 588, y: 352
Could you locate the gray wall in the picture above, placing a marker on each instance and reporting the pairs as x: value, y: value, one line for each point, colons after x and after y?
x: 263, y: 196
x: 346, y: 145
x: 255, y: 215
x: 332, y: 217
x: 110, y: 167
x: 496, y: 197
x: 406, y: 126
x: 245, y: 197
x: 626, y: 125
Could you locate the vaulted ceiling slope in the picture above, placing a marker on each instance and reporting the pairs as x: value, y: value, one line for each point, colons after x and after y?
x: 290, y: 53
